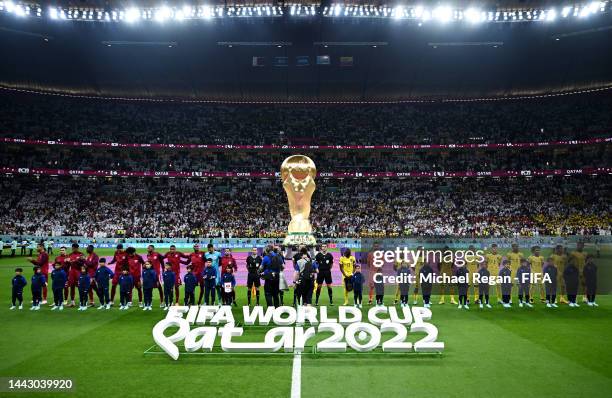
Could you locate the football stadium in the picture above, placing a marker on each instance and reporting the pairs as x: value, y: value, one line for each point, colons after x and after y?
x: 306, y: 199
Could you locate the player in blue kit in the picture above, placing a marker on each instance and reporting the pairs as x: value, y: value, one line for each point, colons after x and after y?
x: 571, y: 277
x: 524, y: 284
x: 103, y: 277
x: 84, y: 284
x: 426, y: 284
x: 215, y: 257
x: 126, y: 285
x: 18, y: 283
x: 149, y: 281
x: 210, y: 281
x: 483, y: 287
x: 58, y: 278
x: 357, y: 280
x: 590, y: 280
x: 38, y: 284
x: 506, y: 286
x: 462, y: 286
x: 190, y: 282
x: 550, y: 286
x: 228, y: 282
x: 404, y: 285
x: 169, y: 279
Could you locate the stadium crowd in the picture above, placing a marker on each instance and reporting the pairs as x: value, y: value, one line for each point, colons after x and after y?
x: 34, y: 156
x: 340, y: 208
x: 58, y: 118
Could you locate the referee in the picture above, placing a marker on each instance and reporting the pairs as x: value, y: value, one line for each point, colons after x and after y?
x: 253, y: 262
x: 325, y: 261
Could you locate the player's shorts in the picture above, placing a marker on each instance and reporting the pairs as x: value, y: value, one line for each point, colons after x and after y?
x: 199, y: 278
x: 371, y: 274
x: 116, y: 277
x: 417, y: 271
x: 136, y: 278
x: 253, y: 280
x: 177, y: 274
x: 158, y: 281
x: 324, y: 276
x: 446, y: 270
x: 560, y: 281
x: 73, y: 277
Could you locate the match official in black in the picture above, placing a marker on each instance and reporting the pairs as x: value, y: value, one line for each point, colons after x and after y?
x: 325, y: 261
x: 253, y: 262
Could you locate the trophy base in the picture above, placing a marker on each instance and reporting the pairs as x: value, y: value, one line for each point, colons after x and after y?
x: 300, y: 238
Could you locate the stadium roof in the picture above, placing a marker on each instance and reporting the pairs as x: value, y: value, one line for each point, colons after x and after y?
x: 318, y: 57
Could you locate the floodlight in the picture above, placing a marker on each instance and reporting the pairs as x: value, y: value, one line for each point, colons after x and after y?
x: 473, y: 15
x: 398, y: 12
x: 566, y: 11
x: 443, y: 13
x: 20, y: 11
x: 132, y: 15
x: 163, y: 14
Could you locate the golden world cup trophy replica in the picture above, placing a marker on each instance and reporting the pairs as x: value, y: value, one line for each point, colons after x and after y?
x: 298, y: 173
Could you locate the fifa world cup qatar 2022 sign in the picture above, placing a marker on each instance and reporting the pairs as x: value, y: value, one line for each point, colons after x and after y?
x: 200, y: 327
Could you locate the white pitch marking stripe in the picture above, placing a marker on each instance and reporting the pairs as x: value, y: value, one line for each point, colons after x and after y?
x: 296, y: 376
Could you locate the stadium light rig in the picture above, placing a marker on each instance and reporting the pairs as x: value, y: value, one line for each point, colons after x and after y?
x: 443, y: 13
x: 132, y: 15
x: 446, y: 13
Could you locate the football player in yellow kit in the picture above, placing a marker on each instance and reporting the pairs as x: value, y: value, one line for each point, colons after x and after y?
x: 579, y: 258
x: 536, y: 262
x: 418, y: 263
x: 397, y: 265
x: 472, y: 267
x: 446, y: 268
x: 515, y: 257
x: 493, y: 260
x: 347, y: 265
x: 559, y: 259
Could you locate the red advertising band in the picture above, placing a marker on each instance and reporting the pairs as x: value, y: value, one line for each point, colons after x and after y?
x: 230, y: 174
x: 308, y: 147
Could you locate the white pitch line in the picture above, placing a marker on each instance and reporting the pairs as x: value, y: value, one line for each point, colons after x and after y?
x: 296, y: 376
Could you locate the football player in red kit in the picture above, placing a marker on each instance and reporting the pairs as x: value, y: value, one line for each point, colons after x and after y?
x: 120, y: 261
x: 197, y: 262
x: 75, y: 260
x: 135, y: 263
x: 157, y: 261
x: 227, y: 261
x: 61, y: 260
x: 91, y: 263
x: 175, y: 259
x: 42, y: 261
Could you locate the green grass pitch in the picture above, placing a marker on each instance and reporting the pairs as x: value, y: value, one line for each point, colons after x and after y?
x: 503, y: 353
